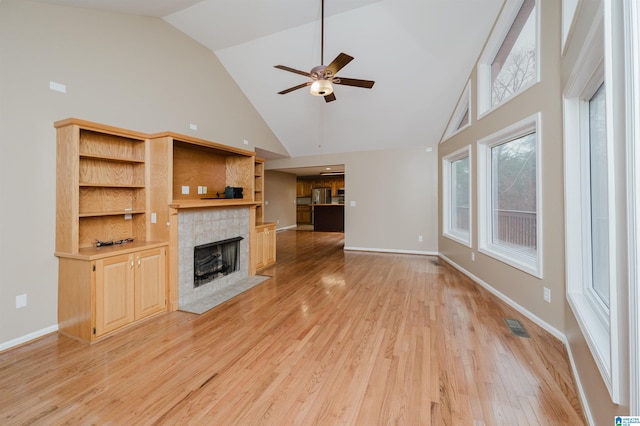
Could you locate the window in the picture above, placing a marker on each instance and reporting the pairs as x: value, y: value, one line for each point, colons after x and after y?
x: 590, y: 206
x: 509, y: 65
x: 509, y: 195
x: 599, y: 199
x: 456, y: 169
x: 460, y: 119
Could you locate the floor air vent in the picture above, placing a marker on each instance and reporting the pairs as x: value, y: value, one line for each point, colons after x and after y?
x: 516, y: 327
x: 435, y: 262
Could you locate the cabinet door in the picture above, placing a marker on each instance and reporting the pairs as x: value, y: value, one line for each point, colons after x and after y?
x: 260, y: 237
x: 270, y: 245
x: 114, y: 293
x: 150, y: 282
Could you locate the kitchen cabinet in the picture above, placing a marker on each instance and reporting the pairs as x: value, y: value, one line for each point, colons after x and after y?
x: 303, y: 188
x: 336, y: 184
x: 265, y: 253
x: 105, y: 289
x: 303, y: 214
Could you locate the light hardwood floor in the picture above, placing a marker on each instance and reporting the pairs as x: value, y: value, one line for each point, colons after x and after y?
x: 333, y: 338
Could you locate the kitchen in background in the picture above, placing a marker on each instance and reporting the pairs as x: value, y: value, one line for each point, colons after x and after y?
x: 320, y: 202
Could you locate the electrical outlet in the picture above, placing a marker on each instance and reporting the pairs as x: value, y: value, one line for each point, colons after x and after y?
x: 473, y: 256
x: 154, y: 218
x: 193, y: 126
x: 246, y: 142
x: 21, y: 301
x: 204, y: 189
x: 185, y: 189
x: 352, y: 203
x: 547, y: 295
x: 199, y: 190
x: 419, y: 238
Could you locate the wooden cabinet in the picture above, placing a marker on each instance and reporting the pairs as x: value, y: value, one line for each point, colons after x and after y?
x: 259, y: 188
x: 303, y: 214
x: 115, y: 293
x: 100, y: 186
x: 105, y: 289
x: 265, y: 247
x: 303, y: 188
x: 102, y: 194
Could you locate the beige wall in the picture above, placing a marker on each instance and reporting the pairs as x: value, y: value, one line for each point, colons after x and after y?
x: 395, y: 192
x: 523, y: 289
x: 280, y: 194
x: 127, y: 71
x: 544, y: 97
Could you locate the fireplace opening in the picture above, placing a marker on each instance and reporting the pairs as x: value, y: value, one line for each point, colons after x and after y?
x: 215, y: 260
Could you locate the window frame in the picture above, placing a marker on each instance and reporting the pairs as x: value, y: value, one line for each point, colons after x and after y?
x: 463, y: 106
x: 495, y: 42
x: 598, y: 325
x: 632, y: 74
x: 463, y: 238
x: 528, y: 264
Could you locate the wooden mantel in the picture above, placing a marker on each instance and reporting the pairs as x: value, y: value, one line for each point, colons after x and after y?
x: 211, y: 203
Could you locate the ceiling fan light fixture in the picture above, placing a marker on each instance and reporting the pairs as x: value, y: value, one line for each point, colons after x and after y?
x: 321, y: 88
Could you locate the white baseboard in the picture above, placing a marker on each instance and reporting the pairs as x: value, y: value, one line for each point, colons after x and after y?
x: 545, y: 325
x: 284, y: 228
x: 379, y: 250
x: 28, y: 337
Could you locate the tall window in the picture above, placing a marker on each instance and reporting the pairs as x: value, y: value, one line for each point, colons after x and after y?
x: 599, y: 203
x: 457, y: 193
x: 513, y: 198
x: 591, y: 205
x: 509, y: 63
x: 508, y: 196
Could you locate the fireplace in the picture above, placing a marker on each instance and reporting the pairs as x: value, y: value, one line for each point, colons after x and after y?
x: 201, y: 227
x: 215, y: 260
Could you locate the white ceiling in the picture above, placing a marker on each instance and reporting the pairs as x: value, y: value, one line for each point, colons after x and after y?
x: 419, y: 52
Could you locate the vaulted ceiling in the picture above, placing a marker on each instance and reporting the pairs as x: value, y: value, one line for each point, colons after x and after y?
x: 419, y: 52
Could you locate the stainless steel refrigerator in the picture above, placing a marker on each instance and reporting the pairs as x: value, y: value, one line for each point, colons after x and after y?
x: 321, y: 196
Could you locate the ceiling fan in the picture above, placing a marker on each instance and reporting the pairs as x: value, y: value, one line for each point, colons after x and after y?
x: 323, y: 77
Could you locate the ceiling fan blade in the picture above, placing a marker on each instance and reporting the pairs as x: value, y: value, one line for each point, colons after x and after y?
x: 367, y: 84
x: 338, y: 63
x: 291, y: 89
x: 330, y: 98
x: 293, y: 70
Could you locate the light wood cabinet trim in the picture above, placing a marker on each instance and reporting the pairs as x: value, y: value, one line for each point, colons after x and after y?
x: 76, y: 285
x: 101, y: 128
x: 224, y: 149
x: 95, y: 253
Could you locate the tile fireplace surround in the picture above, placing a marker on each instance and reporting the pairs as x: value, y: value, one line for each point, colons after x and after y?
x: 207, y: 225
